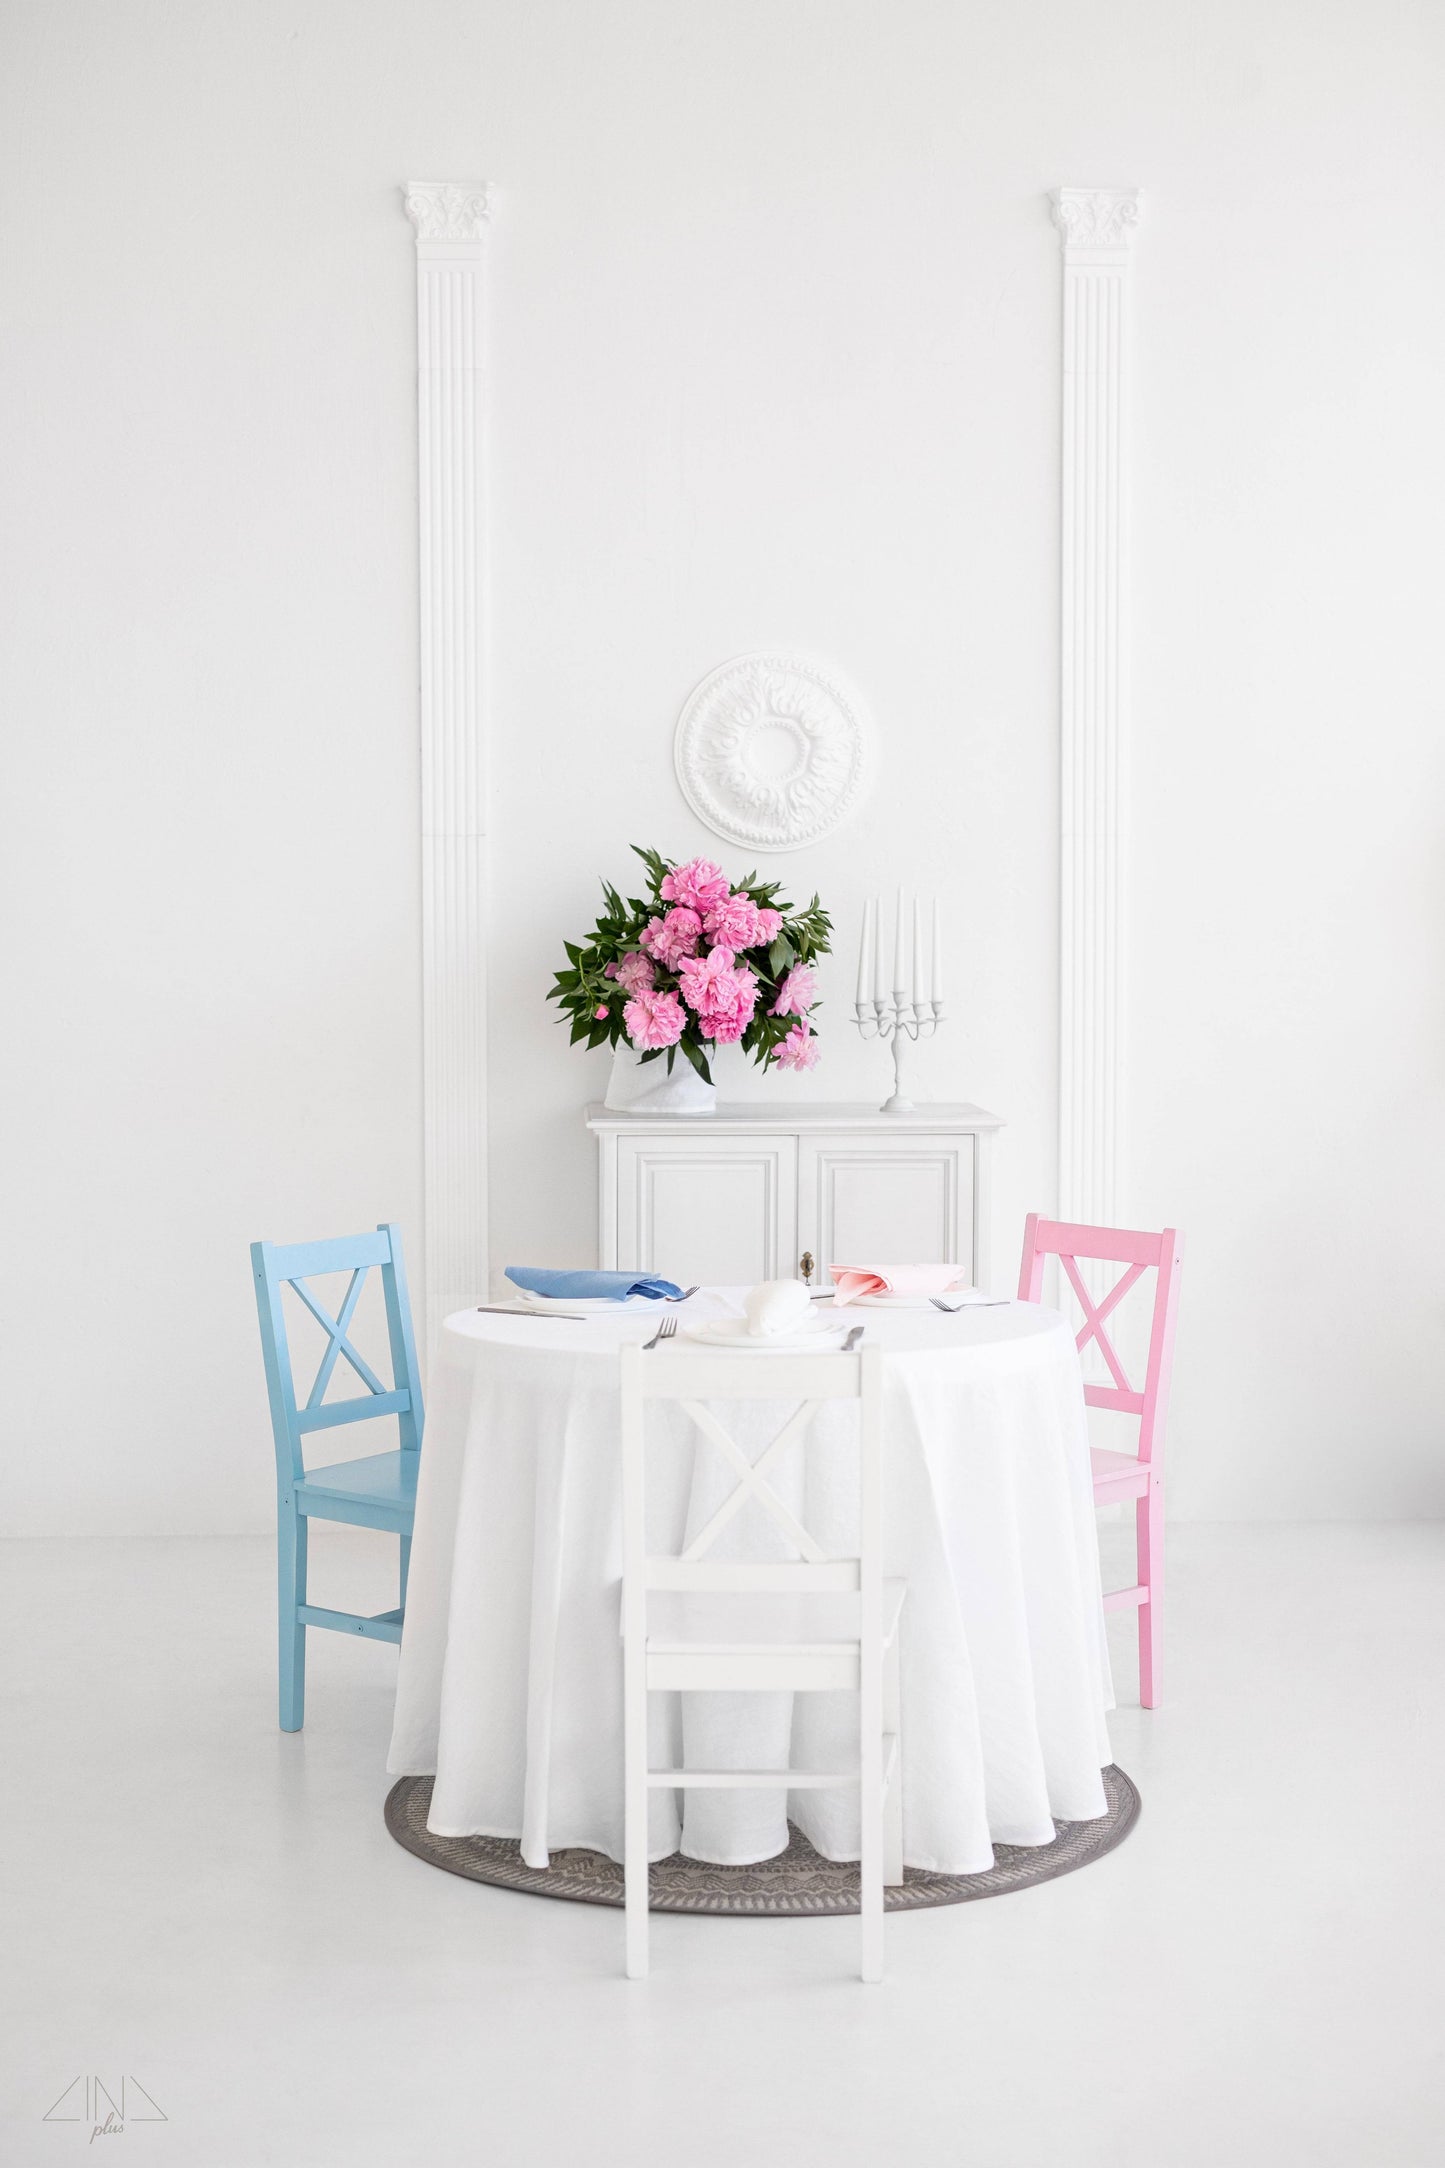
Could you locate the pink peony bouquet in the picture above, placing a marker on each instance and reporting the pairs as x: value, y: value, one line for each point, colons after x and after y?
x: 698, y: 963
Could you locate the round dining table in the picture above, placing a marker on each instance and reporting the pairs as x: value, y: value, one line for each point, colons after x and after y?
x: 510, y: 1681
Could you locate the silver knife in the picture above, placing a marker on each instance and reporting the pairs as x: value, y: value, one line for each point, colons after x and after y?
x: 502, y: 1309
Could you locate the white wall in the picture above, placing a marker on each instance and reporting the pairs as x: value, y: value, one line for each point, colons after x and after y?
x: 775, y: 310
x: 776, y: 302
x: 1289, y: 882
x: 210, y: 863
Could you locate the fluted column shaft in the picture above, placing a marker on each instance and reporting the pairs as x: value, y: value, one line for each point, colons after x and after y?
x: 450, y: 223
x: 1096, y: 225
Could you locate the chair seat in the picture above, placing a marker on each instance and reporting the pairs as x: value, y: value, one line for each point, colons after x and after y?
x: 386, y: 1480
x: 752, y: 1624
x: 1120, y: 1474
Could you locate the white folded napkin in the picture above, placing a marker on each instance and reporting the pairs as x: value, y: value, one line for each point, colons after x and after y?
x: 776, y: 1306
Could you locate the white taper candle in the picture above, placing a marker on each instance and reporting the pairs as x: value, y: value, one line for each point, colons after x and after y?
x: 880, y: 991
x: 863, y: 956
x: 936, y: 991
x: 900, y: 958
x: 916, y: 981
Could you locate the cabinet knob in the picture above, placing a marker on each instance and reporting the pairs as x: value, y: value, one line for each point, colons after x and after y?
x: 806, y: 1265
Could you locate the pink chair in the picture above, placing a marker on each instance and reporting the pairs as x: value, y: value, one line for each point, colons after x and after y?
x: 1123, y: 1475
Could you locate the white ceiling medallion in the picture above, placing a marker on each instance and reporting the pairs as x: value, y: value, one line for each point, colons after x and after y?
x: 772, y: 751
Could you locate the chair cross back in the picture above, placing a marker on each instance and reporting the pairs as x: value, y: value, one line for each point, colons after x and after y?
x: 1122, y: 1394
x: 752, y: 1481
x: 278, y: 1266
x: 336, y: 1329
x: 809, y: 1379
x: 1138, y: 1253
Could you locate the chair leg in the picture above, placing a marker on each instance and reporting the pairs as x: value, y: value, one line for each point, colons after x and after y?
x: 1149, y: 1526
x: 405, y: 1567
x: 893, y: 1800
x: 870, y: 1804
x: 291, y: 1592
x: 870, y: 1877
x: 634, y: 1809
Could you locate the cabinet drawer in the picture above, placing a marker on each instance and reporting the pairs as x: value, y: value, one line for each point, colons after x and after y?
x: 720, y: 1210
x: 908, y: 1200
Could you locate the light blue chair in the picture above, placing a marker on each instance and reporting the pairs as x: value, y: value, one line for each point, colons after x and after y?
x: 375, y: 1493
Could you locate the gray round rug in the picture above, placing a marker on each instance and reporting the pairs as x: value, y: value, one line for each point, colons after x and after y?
x: 797, y: 1882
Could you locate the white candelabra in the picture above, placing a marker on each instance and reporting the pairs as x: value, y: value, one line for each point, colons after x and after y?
x: 898, y: 1015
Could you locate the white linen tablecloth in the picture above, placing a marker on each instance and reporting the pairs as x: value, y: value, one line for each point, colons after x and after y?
x: 510, y: 1685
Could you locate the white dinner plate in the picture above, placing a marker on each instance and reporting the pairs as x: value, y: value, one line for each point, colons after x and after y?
x: 733, y: 1332
x: 911, y: 1302
x: 535, y: 1301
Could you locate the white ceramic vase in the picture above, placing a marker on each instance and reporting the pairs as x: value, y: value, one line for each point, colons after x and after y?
x: 638, y: 1087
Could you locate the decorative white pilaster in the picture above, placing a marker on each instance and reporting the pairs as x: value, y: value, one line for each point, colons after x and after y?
x: 1097, y: 225
x: 450, y: 220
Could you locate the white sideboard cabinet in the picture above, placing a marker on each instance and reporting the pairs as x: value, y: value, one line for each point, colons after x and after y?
x: 763, y: 1193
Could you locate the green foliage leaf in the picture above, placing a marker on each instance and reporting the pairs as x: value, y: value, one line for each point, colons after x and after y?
x: 697, y: 1057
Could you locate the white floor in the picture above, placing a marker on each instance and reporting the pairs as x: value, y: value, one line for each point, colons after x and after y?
x: 216, y: 1912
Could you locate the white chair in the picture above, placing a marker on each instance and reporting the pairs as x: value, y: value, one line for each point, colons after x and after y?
x: 817, y: 1624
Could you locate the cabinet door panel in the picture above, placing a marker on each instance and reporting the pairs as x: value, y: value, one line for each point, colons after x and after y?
x: 904, y: 1203
x: 723, y: 1214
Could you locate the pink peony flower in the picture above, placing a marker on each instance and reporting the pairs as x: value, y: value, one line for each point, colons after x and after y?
x: 700, y: 977
x: 601, y: 1013
x: 723, y: 993
x: 798, y: 992
x: 733, y: 923
x: 635, y: 972
x: 725, y: 1030
x: 770, y: 925
x: 653, y: 1019
x: 798, y: 1051
x: 672, y: 938
x: 698, y: 885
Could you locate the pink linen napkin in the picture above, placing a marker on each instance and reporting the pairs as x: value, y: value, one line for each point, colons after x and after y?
x: 851, y: 1281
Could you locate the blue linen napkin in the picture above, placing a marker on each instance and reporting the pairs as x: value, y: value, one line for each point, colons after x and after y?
x: 590, y: 1286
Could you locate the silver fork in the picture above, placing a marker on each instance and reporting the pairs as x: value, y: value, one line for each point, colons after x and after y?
x: 684, y: 1295
x: 951, y: 1309
x: 666, y: 1327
